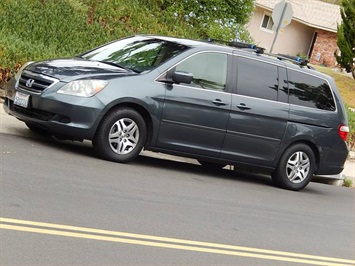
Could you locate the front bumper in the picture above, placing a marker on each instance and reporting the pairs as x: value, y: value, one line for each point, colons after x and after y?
x: 62, y: 115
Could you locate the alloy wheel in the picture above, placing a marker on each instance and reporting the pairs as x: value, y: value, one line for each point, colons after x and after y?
x: 298, y: 167
x: 124, y: 136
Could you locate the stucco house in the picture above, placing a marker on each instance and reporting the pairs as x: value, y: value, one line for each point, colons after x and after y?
x: 312, y: 31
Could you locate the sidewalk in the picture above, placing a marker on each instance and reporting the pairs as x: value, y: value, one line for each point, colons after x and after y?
x: 9, y: 124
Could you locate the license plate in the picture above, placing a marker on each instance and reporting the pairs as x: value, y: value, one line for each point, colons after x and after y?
x: 21, y: 99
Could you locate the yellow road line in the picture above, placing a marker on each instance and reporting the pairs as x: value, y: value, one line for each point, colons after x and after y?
x: 114, y: 236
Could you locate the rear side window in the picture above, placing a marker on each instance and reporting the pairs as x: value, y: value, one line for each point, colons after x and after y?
x: 309, y: 91
x: 257, y: 79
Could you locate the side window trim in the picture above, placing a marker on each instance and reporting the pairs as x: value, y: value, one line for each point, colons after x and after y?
x: 283, y: 92
x: 229, y: 72
x: 236, y: 81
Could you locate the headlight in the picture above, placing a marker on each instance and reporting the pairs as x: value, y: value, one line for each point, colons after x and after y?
x: 83, y: 88
x: 18, y: 74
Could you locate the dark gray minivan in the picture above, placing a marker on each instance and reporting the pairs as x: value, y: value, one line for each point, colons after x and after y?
x: 215, y: 103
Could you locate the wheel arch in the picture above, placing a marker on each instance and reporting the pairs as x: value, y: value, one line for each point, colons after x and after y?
x: 309, y: 143
x: 137, y: 107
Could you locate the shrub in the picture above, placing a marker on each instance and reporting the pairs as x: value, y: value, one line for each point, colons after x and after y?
x: 351, y: 122
x: 347, y: 182
x: 32, y: 30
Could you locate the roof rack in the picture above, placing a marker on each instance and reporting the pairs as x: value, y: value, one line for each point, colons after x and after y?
x: 294, y: 59
x: 241, y: 45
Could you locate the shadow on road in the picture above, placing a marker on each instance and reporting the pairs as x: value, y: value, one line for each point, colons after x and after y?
x: 153, y: 160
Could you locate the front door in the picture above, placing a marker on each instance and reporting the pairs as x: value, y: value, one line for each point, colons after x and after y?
x: 195, y: 115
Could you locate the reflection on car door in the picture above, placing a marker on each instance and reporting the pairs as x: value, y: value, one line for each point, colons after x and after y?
x: 258, y: 116
x: 195, y: 115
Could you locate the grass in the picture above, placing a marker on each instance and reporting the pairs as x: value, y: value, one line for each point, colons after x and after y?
x: 347, y: 182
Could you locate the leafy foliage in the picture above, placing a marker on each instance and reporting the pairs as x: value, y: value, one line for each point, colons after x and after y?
x: 346, y: 36
x: 218, y: 19
x: 40, y: 29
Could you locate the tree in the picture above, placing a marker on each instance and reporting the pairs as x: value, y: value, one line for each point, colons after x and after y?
x: 346, y: 37
x: 218, y: 19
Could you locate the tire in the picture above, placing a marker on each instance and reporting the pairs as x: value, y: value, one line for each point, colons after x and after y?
x: 120, y: 136
x: 36, y: 129
x: 295, y: 168
x: 211, y: 165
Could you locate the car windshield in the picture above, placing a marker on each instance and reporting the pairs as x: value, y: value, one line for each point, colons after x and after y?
x: 136, y: 53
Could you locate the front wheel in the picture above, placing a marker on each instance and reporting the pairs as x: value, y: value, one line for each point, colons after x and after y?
x: 120, y: 136
x: 295, y: 168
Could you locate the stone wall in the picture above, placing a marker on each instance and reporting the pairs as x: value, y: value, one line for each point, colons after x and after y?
x: 324, y: 48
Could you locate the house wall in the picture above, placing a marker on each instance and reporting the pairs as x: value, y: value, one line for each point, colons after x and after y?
x: 294, y: 39
x: 324, y: 48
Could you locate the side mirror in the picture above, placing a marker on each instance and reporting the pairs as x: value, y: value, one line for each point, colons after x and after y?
x: 182, y: 77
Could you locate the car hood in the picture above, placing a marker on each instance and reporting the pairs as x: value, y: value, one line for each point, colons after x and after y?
x: 76, y: 68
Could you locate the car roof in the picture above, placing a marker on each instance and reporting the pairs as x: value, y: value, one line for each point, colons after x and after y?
x: 269, y: 58
x: 189, y: 42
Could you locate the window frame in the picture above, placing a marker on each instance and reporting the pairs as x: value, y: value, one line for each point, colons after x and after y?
x: 166, y: 76
x: 270, y: 19
x: 289, y: 70
x: 236, y: 91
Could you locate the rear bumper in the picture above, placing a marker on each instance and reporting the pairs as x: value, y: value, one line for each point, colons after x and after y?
x: 332, y: 163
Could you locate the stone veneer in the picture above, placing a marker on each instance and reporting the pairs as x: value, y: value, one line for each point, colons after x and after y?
x: 324, y: 48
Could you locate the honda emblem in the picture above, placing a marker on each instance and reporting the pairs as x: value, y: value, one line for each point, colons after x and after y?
x: 29, y: 83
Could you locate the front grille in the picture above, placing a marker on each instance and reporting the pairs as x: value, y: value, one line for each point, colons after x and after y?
x: 35, y: 83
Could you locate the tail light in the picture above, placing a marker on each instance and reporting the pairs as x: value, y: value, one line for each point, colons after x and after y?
x: 343, y: 131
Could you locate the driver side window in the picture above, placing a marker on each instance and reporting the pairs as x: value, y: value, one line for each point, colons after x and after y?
x: 209, y: 70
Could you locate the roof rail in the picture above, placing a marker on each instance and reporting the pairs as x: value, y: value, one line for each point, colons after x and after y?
x: 294, y: 59
x: 241, y: 45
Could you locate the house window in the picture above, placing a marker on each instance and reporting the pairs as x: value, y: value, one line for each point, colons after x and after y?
x: 267, y: 22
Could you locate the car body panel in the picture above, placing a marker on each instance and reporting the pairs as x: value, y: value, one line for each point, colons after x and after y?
x: 191, y: 122
x: 254, y: 135
x: 182, y: 119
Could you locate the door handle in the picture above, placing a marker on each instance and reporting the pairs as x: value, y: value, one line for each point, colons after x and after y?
x: 242, y: 106
x: 218, y: 102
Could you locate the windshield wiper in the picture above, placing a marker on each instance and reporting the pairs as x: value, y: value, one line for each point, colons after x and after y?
x: 118, y: 65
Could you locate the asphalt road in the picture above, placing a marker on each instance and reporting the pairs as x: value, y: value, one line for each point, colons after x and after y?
x: 60, y: 205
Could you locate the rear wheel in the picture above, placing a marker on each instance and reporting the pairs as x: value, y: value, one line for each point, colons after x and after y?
x: 211, y: 164
x: 295, y: 168
x: 120, y: 136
